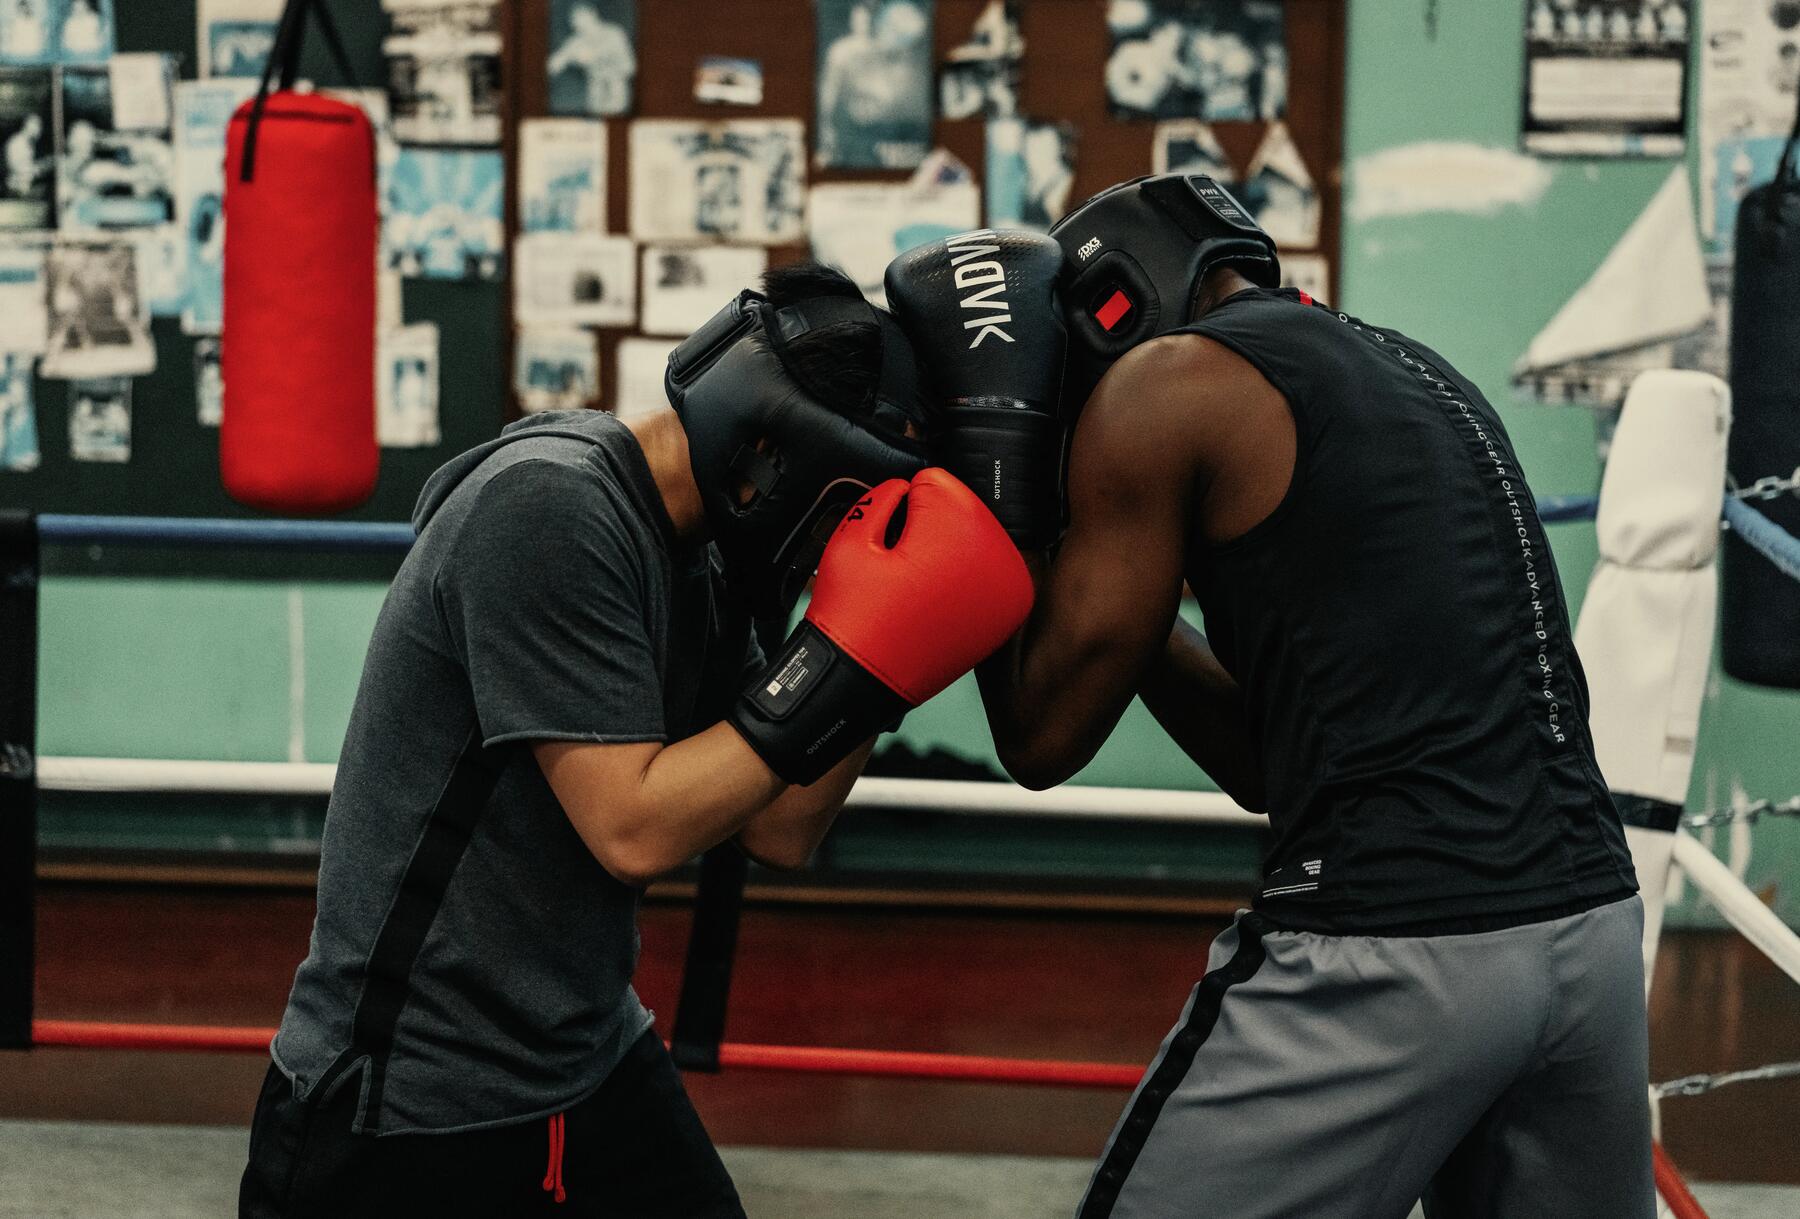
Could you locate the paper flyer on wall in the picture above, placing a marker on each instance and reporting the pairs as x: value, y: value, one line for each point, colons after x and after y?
x: 24, y: 315
x: 740, y: 180
x: 562, y: 175
x: 1749, y: 75
x: 575, y: 279
x: 1278, y: 189
x: 1030, y: 172
x: 1208, y: 59
x: 685, y: 285
x: 444, y: 214
x: 726, y: 81
x: 235, y: 37
x: 19, y: 450
x: 209, y: 382
x: 28, y: 141
x: 100, y: 419
x: 860, y: 227
x: 202, y: 110
x: 56, y: 31
x: 642, y: 363
x: 443, y: 66
x: 142, y: 85
x: 980, y: 76
x: 1606, y: 80
x: 98, y: 325
x: 406, y: 387
x: 873, y: 101
x: 592, y: 59
x: 555, y: 369
x: 109, y: 176
x: 1188, y: 146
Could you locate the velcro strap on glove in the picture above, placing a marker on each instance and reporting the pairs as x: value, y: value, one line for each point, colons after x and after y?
x: 812, y: 706
x: 1011, y: 457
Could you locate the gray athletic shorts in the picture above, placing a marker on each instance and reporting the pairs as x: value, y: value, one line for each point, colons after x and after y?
x: 1498, y: 1074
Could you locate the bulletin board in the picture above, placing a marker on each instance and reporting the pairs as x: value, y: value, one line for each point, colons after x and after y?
x: 1066, y: 42
x: 174, y: 459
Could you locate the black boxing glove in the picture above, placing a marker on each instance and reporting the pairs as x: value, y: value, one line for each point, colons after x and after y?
x: 981, y: 309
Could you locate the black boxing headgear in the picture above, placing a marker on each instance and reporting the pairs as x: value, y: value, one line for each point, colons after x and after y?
x: 1134, y: 257
x: 776, y: 467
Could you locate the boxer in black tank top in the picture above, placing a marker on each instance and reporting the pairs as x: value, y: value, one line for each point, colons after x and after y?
x: 1439, y: 992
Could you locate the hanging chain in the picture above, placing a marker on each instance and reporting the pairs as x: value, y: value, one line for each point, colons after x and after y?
x: 1695, y: 1085
x: 1769, y: 486
x: 1751, y: 812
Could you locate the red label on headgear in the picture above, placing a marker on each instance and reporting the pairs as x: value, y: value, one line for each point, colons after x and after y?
x: 1117, y: 306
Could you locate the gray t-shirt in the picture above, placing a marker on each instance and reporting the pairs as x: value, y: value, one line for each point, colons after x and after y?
x: 460, y: 986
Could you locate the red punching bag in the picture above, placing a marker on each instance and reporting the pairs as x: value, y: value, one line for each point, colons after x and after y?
x: 298, y: 347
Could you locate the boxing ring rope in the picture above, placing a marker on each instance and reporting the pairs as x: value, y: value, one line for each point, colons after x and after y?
x: 1713, y: 878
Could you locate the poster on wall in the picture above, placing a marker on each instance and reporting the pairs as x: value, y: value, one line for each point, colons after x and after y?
x: 592, y: 61
x: 444, y: 214
x: 980, y: 77
x: 555, y: 369
x: 100, y: 419
x: 1188, y: 146
x: 209, y: 382
x: 98, y: 326
x: 741, y: 180
x: 161, y: 254
x: 108, y: 175
x: 642, y: 363
x: 562, y: 176
x: 18, y: 414
x: 723, y: 80
x: 202, y: 109
x: 55, y: 31
x: 1606, y: 79
x: 685, y: 285
x: 28, y: 138
x: 24, y: 320
x: 1210, y: 59
x: 874, y: 83
x: 443, y: 68
x: 406, y: 387
x: 575, y: 279
x: 235, y: 37
x: 860, y: 227
x: 1749, y: 75
x: 1030, y: 172
x: 1279, y: 191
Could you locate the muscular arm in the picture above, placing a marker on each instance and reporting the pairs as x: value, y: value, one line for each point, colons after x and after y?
x: 1201, y: 708
x: 1105, y: 605
x: 1165, y: 432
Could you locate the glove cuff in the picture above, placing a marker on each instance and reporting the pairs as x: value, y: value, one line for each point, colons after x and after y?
x: 812, y: 706
x: 1011, y: 457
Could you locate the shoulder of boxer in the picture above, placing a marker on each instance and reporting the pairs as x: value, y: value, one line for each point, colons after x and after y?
x: 1168, y: 408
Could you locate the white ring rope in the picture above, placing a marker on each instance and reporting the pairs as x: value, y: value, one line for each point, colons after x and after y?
x: 934, y: 795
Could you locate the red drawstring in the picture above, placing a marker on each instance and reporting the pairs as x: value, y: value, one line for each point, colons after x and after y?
x: 553, y: 1178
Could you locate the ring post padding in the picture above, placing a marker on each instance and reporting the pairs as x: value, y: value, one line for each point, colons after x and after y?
x: 18, y: 773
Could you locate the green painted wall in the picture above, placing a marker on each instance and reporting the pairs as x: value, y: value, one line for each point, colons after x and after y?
x: 259, y: 670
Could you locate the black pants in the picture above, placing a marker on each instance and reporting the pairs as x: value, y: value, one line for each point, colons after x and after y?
x: 635, y: 1149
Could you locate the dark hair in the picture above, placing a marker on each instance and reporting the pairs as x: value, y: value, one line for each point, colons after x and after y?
x: 839, y: 363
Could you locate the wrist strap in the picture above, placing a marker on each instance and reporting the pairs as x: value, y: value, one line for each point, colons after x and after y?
x: 812, y: 706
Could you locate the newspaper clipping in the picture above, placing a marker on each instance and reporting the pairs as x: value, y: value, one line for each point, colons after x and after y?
x: 98, y: 324
x: 443, y: 63
x: 575, y: 279
x: 100, y: 419
x: 406, y: 387
x: 562, y: 176
x: 685, y: 285
x: 742, y: 180
x: 555, y: 370
x: 1606, y: 79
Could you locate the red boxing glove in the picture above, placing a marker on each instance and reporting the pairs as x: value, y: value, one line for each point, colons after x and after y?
x: 919, y: 584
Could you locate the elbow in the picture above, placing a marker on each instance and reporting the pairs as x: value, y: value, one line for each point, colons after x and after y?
x: 631, y: 860
x: 1036, y: 768
x: 789, y: 858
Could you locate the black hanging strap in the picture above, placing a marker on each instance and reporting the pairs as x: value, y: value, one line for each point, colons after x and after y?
x: 18, y: 772
x: 712, y: 945
x: 283, y: 66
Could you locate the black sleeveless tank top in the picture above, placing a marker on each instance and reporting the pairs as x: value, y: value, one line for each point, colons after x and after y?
x: 1403, y: 643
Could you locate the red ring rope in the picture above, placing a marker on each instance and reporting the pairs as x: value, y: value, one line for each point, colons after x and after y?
x: 828, y: 1060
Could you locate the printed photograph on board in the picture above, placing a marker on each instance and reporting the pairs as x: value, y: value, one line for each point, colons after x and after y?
x: 592, y: 62
x: 874, y: 83
x: 740, y: 180
x: 235, y: 36
x: 575, y: 279
x: 55, y: 31
x: 1208, y: 59
x: 106, y: 177
x: 18, y: 414
x: 555, y: 369
x: 443, y: 65
x: 202, y: 109
x: 100, y: 419
x: 562, y: 175
x: 98, y: 324
x: 27, y: 118
x: 980, y: 77
x: 444, y: 214
x: 1030, y: 172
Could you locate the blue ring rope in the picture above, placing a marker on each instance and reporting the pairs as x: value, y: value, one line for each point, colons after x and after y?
x: 1764, y: 536
x: 396, y: 536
